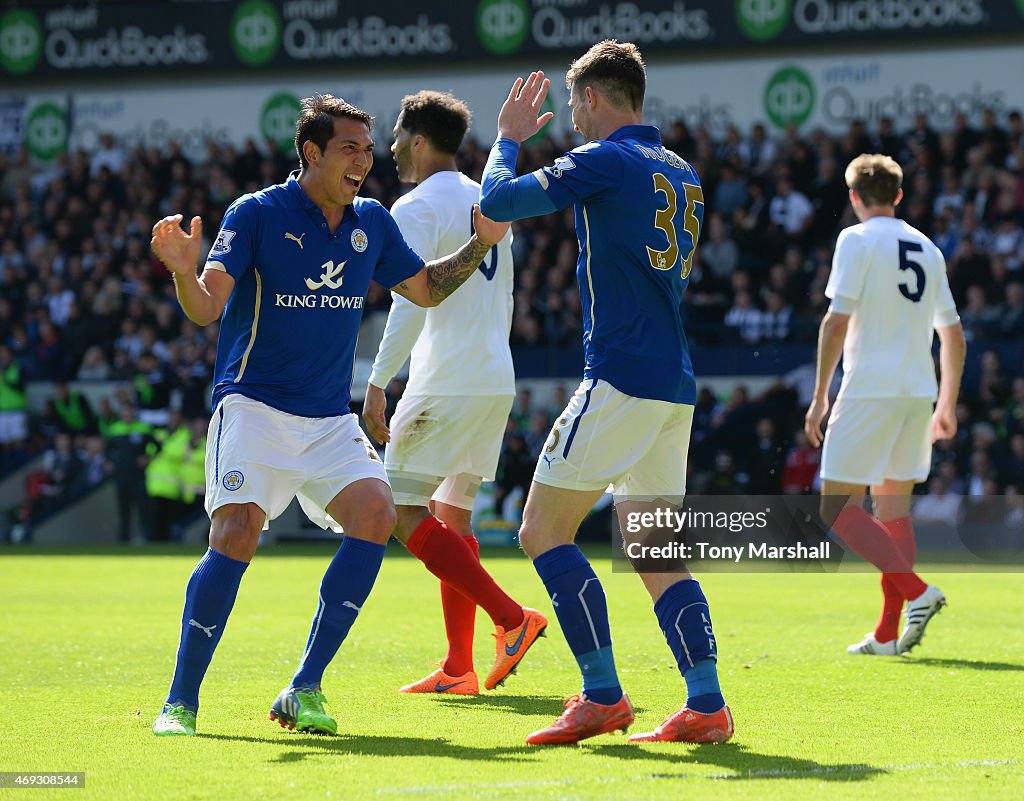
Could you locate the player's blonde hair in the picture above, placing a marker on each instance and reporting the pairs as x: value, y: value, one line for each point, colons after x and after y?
x: 875, y: 178
x: 617, y: 68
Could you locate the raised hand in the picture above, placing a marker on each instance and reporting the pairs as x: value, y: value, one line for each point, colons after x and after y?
x: 487, y: 230
x: 179, y: 251
x: 520, y: 116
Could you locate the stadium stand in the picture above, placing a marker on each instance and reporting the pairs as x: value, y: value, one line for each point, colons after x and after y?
x: 83, y: 300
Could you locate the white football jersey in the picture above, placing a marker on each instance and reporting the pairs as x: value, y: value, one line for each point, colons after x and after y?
x: 894, y: 280
x: 459, y: 347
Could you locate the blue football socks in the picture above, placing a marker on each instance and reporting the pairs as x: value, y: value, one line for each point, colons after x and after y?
x: 685, y: 620
x: 209, y: 596
x: 579, y: 602
x: 345, y: 587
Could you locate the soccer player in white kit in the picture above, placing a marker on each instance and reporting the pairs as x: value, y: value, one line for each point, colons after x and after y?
x: 445, y: 437
x: 889, y: 293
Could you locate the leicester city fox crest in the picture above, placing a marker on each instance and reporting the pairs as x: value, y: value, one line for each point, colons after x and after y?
x: 360, y: 241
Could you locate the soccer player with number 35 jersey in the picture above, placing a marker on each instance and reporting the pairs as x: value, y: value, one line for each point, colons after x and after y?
x: 287, y: 276
x: 889, y: 297
x: 639, y: 209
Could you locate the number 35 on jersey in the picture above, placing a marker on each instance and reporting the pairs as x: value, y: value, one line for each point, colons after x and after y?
x: 664, y: 221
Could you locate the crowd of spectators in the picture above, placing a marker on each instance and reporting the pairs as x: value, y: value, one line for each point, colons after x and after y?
x: 83, y: 299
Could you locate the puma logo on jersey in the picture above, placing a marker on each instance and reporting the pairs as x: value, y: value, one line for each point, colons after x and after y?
x: 296, y: 239
x: 331, y: 276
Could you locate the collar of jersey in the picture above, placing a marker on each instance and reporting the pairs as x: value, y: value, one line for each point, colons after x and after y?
x: 295, y: 189
x: 636, y: 132
x: 440, y: 176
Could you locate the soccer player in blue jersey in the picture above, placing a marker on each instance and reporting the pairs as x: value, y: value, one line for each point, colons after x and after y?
x: 287, y: 276
x: 639, y: 209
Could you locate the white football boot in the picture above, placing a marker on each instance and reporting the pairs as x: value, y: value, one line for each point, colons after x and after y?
x: 916, y: 616
x: 869, y: 646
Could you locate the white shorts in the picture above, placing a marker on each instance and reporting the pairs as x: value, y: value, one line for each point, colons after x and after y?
x: 869, y: 440
x: 257, y: 454
x: 13, y: 426
x: 635, y: 447
x: 444, y: 447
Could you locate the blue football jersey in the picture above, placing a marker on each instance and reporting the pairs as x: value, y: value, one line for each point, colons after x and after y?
x: 288, y: 332
x: 639, y: 212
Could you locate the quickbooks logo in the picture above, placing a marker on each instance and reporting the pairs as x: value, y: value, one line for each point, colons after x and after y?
x: 46, y: 131
x: 21, y: 41
x: 278, y: 117
x: 762, y: 19
x: 502, y: 24
x: 789, y: 96
x: 255, y: 31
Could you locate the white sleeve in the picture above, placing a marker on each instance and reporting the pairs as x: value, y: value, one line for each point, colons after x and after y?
x: 847, y: 276
x: 945, y: 307
x: 405, y: 322
x: 419, y: 227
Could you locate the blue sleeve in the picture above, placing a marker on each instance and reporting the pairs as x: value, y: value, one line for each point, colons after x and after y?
x: 397, y: 261
x: 583, y: 174
x: 503, y: 196
x: 236, y: 243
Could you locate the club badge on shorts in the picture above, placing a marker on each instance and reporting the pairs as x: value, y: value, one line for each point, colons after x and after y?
x: 233, y: 480
x: 359, y: 240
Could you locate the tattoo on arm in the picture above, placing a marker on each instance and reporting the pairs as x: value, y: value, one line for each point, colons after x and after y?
x: 446, y: 275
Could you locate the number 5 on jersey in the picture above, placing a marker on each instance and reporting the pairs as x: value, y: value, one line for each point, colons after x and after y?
x: 664, y: 221
x: 906, y: 263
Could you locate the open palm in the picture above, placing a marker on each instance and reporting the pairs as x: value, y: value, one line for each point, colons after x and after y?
x: 179, y: 251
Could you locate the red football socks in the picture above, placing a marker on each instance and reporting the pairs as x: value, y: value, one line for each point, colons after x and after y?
x: 870, y: 539
x: 901, y: 530
x: 449, y: 557
x: 459, y: 623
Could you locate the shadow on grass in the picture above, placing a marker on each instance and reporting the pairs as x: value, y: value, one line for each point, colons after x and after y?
x: 301, y: 746
x: 519, y: 704
x: 969, y: 664
x: 740, y: 761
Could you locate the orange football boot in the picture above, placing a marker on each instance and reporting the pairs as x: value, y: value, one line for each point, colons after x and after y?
x: 441, y: 682
x: 687, y: 726
x: 582, y: 719
x: 513, y: 644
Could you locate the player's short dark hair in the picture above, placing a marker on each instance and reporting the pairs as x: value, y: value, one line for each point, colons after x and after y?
x: 876, y: 178
x: 618, y: 70
x: 439, y: 116
x: 316, y: 121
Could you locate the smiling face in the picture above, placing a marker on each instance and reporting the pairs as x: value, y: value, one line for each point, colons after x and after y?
x: 345, y: 161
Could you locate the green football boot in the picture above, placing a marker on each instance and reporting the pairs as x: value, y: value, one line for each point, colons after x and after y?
x: 175, y: 721
x: 302, y: 708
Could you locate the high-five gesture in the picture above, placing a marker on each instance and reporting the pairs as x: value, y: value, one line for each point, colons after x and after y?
x: 520, y: 116
x: 179, y: 251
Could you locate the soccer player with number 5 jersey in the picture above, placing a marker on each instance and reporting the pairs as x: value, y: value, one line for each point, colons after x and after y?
x: 889, y: 296
x: 639, y: 209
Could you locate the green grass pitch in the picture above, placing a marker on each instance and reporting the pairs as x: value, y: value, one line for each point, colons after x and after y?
x: 87, y: 645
